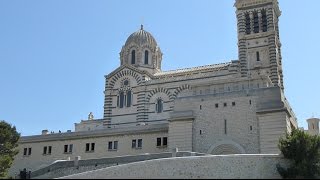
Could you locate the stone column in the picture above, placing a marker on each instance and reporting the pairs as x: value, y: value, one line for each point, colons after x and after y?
x: 274, y: 74
x: 141, y: 101
x: 107, y: 105
x: 251, y: 22
x: 260, y: 20
x: 241, y: 22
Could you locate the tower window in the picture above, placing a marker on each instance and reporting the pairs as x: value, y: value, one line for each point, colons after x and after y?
x: 264, y: 21
x: 255, y: 22
x: 146, y: 57
x: 121, y: 99
x: 133, y: 57
x: 258, y: 55
x: 248, y: 23
x: 159, y: 106
x: 129, y: 98
x: 118, y: 101
x: 217, y: 105
x: 124, y: 99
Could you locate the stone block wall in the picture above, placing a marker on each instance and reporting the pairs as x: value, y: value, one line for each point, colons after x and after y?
x: 201, y: 167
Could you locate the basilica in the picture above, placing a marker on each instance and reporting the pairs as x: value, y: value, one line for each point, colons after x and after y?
x: 238, y: 107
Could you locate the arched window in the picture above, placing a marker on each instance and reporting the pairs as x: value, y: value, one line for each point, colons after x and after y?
x: 118, y: 101
x: 129, y: 98
x: 121, y: 99
x: 255, y: 22
x: 133, y: 57
x: 248, y: 24
x: 264, y: 21
x: 146, y: 57
x: 159, y: 106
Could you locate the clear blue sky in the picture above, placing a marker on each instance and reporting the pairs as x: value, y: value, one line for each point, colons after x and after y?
x: 54, y: 53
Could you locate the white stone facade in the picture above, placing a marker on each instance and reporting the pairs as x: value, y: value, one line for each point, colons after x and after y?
x: 101, y: 138
x: 230, y: 108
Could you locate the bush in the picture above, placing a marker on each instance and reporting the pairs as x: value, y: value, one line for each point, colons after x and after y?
x: 8, y: 143
x: 303, y: 152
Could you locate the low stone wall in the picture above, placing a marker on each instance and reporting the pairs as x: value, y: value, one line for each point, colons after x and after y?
x: 65, y: 168
x: 194, y: 167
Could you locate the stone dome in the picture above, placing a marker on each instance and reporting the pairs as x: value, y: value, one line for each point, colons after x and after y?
x: 141, y: 37
x: 141, y: 51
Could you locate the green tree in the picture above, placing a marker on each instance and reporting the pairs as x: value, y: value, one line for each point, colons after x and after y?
x: 8, y: 142
x: 303, y: 152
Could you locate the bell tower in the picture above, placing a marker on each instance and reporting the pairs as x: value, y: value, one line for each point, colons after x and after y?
x: 258, y: 39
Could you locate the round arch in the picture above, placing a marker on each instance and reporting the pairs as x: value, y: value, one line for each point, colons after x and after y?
x: 157, y: 90
x: 123, y: 73
x: 180, y: 89
x: 226, y: 147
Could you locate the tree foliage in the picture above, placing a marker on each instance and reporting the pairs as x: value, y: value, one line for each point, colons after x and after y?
x: 303, y: 151
x: 8, y: 147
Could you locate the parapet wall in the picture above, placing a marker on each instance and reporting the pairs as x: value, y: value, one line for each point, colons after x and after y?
x: 194, y: 167
x: 65, y: 168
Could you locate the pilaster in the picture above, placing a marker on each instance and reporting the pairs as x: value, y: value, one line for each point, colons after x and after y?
x: 107, y: 105
x: 141, y: 102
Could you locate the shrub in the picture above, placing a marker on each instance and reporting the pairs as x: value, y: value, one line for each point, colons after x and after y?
x: 303, y: 152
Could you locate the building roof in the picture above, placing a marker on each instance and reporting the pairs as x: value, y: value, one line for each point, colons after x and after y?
x: 215, y: 67
x: 151, y: 128
x: 141, y: 37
